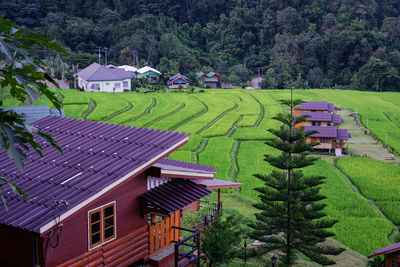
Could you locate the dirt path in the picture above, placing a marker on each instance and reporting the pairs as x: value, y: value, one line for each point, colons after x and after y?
x: 363, y: 144
x: 256, y: 83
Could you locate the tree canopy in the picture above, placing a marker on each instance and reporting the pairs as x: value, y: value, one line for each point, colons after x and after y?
x: 326, y: 42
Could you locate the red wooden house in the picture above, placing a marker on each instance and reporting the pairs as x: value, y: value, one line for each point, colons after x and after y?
x: 96, y: 203
x: 211, y: 80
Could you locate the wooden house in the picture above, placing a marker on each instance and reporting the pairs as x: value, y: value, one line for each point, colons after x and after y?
x: 110, y: 199
x: 211, y: 80
x: 178, y: 80
x: 391, y: 254
x: 321, y: 117
x: 328, y: 137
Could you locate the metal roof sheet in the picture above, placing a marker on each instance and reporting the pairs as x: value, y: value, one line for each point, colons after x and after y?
x: 175, y: 195
x: 317, y: 116
x: 33, y: 113
x: 210, y: 79
x: 336, y: 118
x: 385, y: 250
x: 95, y: 156
x: 323, y: 131
x: 317, y: 105
x: 170, y: 164
x: 217, y: 183
x: 342, y: 134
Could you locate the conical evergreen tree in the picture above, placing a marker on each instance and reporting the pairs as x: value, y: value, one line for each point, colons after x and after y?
x: 291, y: 218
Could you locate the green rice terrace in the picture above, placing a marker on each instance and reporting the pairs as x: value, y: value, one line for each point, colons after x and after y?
x: 228, y: 128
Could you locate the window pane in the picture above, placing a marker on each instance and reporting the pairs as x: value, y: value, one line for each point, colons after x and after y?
x: 108, y: 211
x: 108, y: 222
x: 95, y: 217
x: 96, y: 227
x: 95, y: 238
x: 108, y: 232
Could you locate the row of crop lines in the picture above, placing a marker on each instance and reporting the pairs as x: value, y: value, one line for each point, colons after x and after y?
x: 360, y: 227
x: 378, y: 181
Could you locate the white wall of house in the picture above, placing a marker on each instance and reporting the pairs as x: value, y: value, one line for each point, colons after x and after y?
x: 105, y: 86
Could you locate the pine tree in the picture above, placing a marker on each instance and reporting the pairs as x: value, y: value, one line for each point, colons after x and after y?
x: 291, y: 218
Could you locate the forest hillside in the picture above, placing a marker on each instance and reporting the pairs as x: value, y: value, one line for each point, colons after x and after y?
x: 307, y: 44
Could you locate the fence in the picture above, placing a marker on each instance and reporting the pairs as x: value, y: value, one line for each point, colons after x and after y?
x: 162, y: 233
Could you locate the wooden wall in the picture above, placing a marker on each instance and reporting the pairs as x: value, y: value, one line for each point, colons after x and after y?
x: 16, y: 246
x: 74, y: 239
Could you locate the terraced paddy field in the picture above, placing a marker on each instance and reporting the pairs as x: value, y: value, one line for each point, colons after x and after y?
x: 228, y: 128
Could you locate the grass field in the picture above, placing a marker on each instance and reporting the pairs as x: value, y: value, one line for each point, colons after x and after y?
x: 378, y: 181
x: 227, y: 131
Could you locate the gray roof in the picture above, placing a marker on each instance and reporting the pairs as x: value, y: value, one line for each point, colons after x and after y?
x: 33, y: 113
x: 95, y: 156
x: 96, y: 72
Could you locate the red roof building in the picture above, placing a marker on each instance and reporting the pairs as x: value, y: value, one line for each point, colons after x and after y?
x: 98, y: 202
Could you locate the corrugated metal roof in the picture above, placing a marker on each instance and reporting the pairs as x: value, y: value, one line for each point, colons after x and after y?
x: 317, y: 105
x: 217, y: 183
x: 170, y: 164
x: 147, y: 69
x: 95, y: 156
x: 336, y: 118
x: 323, y: 131
x: 33, y: 113
x: 175, y: 195
x: 385, y: 250
x: 342, y: 134
x: 210, y: 79
x: 317, y: 116
x: 328, y: 131
x: 96, y: 72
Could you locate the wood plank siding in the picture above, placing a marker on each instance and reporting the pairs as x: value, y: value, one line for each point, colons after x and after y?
x: 74, y: 238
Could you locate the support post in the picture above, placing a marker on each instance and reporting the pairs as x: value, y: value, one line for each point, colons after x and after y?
x: 219, y: 199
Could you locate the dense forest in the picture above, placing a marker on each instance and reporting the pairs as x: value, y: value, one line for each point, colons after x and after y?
x: 306, y: 44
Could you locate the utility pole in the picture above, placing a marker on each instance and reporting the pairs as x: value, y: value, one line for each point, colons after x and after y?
x: 105, y: 51
x: 99, y: 56
x: 258, y: 79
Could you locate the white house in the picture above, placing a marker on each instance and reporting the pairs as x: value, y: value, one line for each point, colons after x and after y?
x: 129, y: 68
x: 104, y: 79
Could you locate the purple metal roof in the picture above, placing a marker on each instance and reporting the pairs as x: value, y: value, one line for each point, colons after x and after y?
x: 336, y: 118
x: 329, y: 132
x: 342, y: 134
x: 95, y: 156
x: 323, y: 131
x: 170, y: 164
x: 314, y: 105
x: 385, y: 250
x: 96, y: 72
x: 217, y: 183
x: 317, y: 116
x: 165, y: 196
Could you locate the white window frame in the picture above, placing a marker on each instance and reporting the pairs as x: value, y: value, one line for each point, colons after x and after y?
x: 95, y: 86
x: 125, y: 82
x: 117, y: 85
x: 102, y: 228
